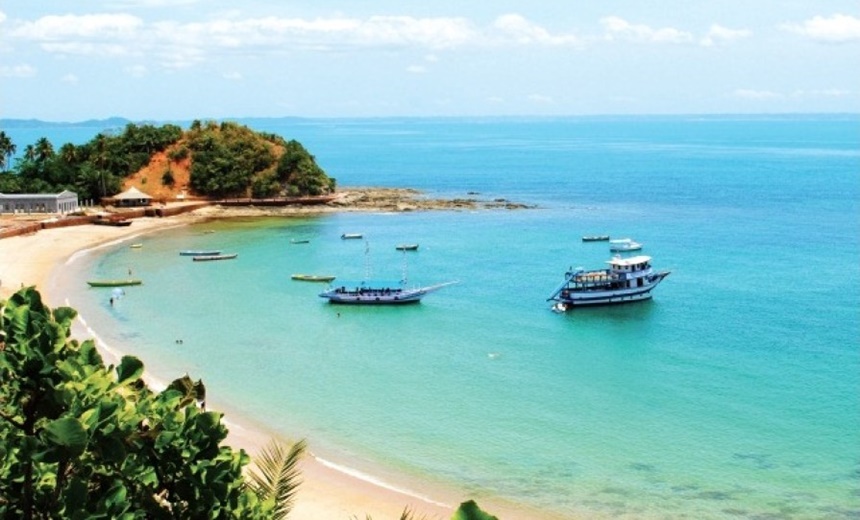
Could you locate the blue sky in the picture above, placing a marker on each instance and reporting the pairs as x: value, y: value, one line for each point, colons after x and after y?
x: 196, y: 59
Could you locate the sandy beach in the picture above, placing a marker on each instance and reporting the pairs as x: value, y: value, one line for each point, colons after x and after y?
x: 326, y: 491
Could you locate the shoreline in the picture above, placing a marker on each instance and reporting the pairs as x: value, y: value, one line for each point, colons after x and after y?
x: 329, y: 489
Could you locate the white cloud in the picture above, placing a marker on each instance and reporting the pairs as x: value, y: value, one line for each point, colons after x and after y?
x: 233, y: 76
x: 132, y: 4
x: 520, y: 30
x: 97, y: 26
x: 838, y: 28
x: 719, y: 35
x: 2, y: 17
x: 86, y: 48
x: 416, y: 69
x: 619, y: 28
x: 17, y: 71
x: 756, y: 94
x: 70, y: 79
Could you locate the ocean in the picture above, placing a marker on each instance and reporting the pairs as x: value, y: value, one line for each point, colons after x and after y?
x: 734, y: 393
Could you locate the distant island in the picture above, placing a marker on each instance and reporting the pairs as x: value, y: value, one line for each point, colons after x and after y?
x: 209, y: 160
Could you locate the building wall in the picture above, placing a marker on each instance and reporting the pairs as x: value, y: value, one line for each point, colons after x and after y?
x: 38, y: 203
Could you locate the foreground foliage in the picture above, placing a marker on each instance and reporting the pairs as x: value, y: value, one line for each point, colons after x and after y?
x: 82, y: 440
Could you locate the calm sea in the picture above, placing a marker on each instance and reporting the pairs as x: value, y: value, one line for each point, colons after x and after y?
x: 734, y: 393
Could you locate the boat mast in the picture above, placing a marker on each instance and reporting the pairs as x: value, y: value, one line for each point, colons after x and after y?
x: 367, y: 269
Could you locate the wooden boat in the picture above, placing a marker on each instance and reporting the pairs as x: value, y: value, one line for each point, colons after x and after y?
x: 299, y: 241
x: 595, y: 238
x: 208, y: 258
x: 627, y: 280
x: 623, y: 245
x: 312, y: 278
x: 114, y: 283
x: 351, y: 236
x: 370, y: 292
x: 213, y: 252
x: 110, y: 222
x: 378, y: 292
x: 136, y: 246
x: 406, y: 247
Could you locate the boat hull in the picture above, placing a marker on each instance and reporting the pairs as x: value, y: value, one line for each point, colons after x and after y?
x: 312, y: 278
x: 199, y: 253
x: 114, y: 283
x: 212, y: 258
x: 373, y: 299
x: 586, y: 298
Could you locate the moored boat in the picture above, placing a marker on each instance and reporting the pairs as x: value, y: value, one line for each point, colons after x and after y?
x: 136, y: 246
x: 623, y: 245
x: 112, y: 222
x: 114, y: 283
x: 299, y: 241
x: 626, y: 280
x: 595, y: 238
x: 187, y: 252
x: 406, y: 247
x: 371, y: 292
x: 312, y: 278
x: 208, y: 258
x: 351, y: 236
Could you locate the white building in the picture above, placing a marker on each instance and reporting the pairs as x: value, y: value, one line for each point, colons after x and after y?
x: 63, y: 202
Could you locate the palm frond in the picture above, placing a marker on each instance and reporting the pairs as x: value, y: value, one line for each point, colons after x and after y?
x: 277, y: 477
x: 407, y: 514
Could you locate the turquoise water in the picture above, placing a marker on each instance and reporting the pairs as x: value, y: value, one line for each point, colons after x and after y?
x: 734, y: 393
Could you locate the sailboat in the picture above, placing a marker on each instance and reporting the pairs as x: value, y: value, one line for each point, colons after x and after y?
x: 378, y: 292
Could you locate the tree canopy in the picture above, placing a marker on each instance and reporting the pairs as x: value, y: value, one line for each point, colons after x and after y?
x: 227, y: 159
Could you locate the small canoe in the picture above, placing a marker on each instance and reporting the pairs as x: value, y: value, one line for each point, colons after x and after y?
x: 406, y: 247
x: 109, y: 222
x: 207, y: 258
x: 595, y: 238
x: 213, y: 252
x: 348, y: 236
x: 312, y: 278
x: 298, y: 241
x: 136, y: 246
x: 114, y: 283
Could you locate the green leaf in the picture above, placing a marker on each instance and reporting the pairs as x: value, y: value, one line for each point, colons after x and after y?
x: 129, y: 370
x: 64, y: 316
x: 67, y: 433
x: 469, y: 510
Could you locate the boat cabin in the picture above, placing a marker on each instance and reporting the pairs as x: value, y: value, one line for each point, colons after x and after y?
x: 630, y: 265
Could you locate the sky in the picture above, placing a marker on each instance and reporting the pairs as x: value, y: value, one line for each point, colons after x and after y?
x: 200, y: 59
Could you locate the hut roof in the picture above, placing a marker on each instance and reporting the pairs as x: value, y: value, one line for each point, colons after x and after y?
x: 132, y: 194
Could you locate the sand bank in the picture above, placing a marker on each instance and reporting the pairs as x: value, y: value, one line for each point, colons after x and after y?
x: 328, y: 490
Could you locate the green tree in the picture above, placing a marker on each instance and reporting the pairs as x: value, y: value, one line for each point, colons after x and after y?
x: 82, y: 440
x: 298, y: 170
x: 7, y: 150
